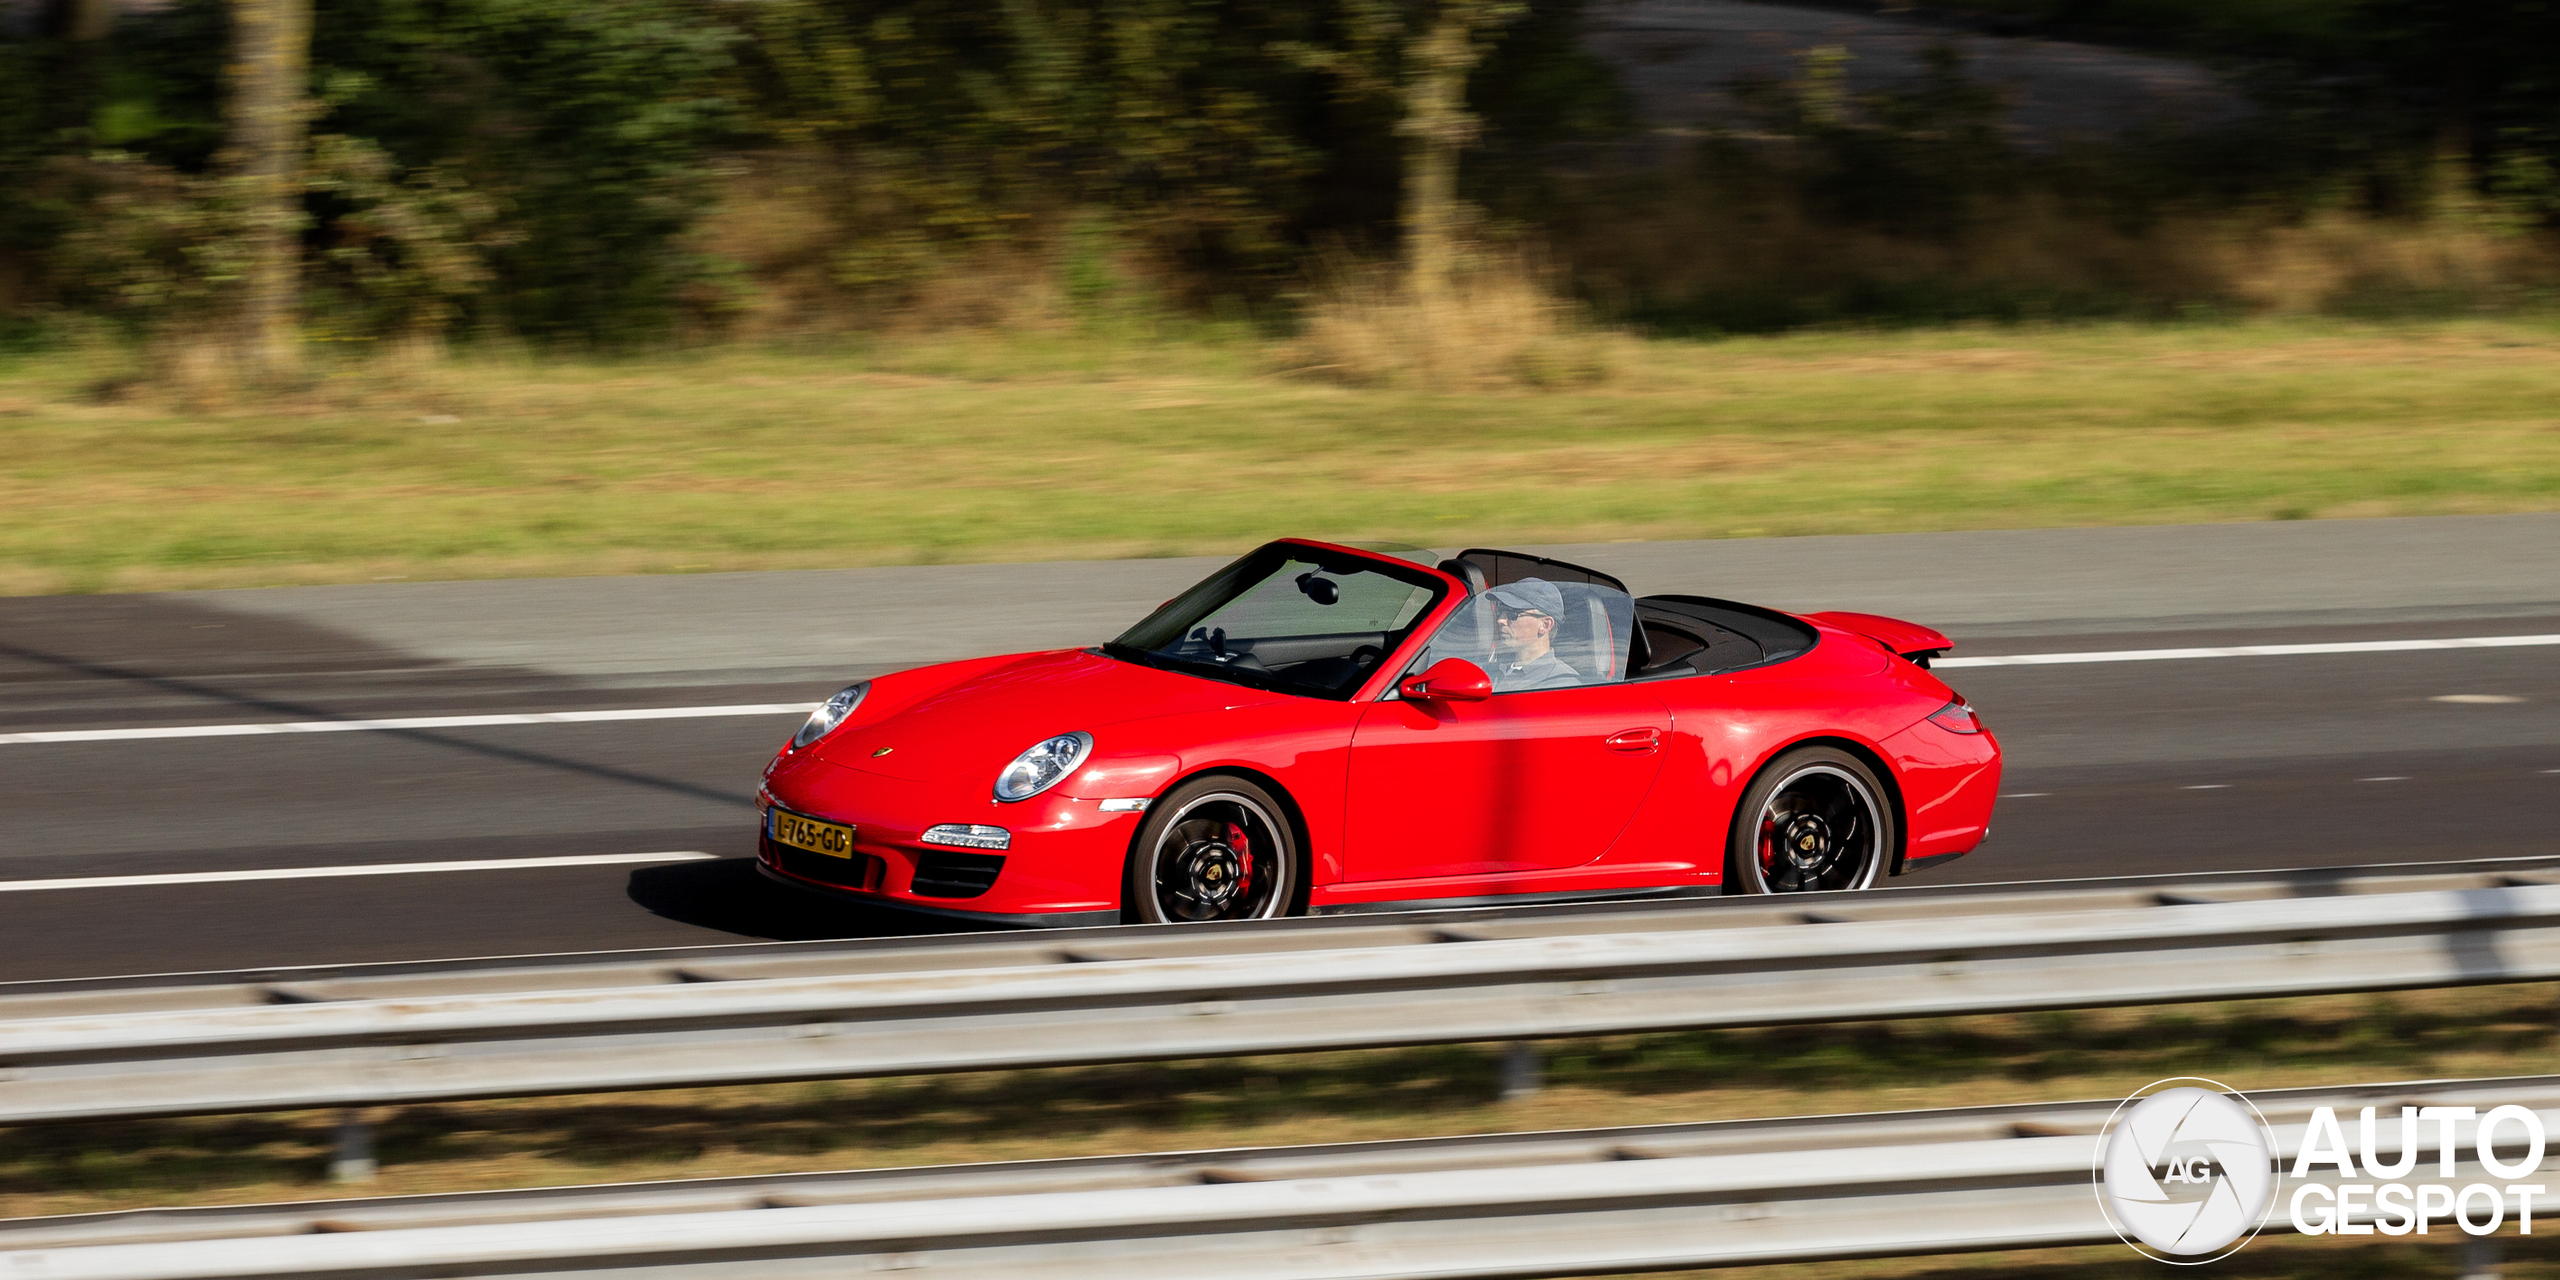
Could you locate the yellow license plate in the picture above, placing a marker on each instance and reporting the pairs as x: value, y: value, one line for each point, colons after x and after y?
x: 832, y: 839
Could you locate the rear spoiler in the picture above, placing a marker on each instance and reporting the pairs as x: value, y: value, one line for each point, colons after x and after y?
x: 1903, y: 639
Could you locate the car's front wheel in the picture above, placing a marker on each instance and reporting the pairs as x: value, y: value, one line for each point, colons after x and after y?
x: 1212, y: 849
x: 1815, y: 819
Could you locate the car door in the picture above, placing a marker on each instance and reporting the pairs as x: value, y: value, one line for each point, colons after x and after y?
x: 1536, y: 780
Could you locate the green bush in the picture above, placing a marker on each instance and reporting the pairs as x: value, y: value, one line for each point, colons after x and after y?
x: 535, y: 169
x: 501, y: 163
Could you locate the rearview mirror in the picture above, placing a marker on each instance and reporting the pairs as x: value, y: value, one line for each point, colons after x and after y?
x: 1449, y: 680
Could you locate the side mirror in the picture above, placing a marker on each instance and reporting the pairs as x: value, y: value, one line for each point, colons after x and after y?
x: 1449, y: 680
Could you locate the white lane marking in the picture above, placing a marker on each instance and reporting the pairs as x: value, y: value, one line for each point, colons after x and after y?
x: 2479, y: 699
x: 373, y: 869
x: 2386, y: 778
x: 2208, y: 786
x: 804, y: 708
x: 2247, y: 651
x: 2030, y: 795
x: 408, y: 722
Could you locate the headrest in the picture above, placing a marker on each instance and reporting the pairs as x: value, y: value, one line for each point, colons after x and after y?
x: 1468, y: 572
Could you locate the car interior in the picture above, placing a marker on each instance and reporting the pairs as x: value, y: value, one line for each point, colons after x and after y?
x: 1668, y: 637
x: 1279, y: 620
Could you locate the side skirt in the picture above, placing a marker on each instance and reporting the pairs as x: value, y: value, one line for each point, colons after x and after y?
x: 1519, y: 900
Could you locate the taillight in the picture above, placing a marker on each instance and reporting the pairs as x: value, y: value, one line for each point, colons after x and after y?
x: 1956, y: 717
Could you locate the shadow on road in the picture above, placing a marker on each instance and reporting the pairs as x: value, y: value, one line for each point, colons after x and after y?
x: 729, y: 895
x: 296, y: 710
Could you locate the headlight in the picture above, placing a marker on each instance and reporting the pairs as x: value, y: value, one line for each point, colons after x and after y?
x: 824, y: 720
x: 1039, y: 769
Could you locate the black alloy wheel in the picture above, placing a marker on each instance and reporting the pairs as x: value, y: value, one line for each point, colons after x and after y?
x: 1215, y: 849
x: 1816, y: 819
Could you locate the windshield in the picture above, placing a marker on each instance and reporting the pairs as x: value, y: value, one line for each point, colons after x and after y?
x: 1287, y: 617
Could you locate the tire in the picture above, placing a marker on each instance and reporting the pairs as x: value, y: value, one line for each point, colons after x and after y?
x: 1816, y: 819
x: 1212, y: 849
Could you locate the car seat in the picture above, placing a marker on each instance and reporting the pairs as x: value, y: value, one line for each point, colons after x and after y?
x: 1589, y: 638
x: 1468, y: 572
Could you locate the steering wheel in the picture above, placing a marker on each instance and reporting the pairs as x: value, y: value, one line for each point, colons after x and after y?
x: 1367, y: 656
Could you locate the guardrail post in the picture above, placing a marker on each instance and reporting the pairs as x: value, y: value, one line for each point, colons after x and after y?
x: 1520, y: 1074
x: 353, y: 1160
x: 2480, y: 1259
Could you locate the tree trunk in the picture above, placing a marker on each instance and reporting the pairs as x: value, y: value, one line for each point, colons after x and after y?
x: 79, y: 20
x: 65, y: 102
x: 1436, y: 125
x: 270, y: 65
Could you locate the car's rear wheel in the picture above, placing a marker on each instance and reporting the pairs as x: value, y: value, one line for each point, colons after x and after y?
x: 1816, y: 819
x: 1213, y: 849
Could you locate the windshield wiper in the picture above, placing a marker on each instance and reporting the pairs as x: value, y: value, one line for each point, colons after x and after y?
x: 1132, y: 653
x: 1250, y: 679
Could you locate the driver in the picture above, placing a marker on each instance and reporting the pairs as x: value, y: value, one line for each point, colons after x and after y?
x: 1525, y: 614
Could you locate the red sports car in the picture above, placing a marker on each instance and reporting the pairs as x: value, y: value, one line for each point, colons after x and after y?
x: 1317, y: 728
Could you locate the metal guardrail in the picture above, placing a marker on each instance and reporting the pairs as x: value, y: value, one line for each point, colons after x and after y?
x: 1707, y: 909
x: 1593, y: 1201
x: 600, y: 1024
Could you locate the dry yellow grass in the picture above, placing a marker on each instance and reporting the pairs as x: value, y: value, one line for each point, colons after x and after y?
x: 1711, y: 245
x: 1499, y: 327
x: 1031, y: 447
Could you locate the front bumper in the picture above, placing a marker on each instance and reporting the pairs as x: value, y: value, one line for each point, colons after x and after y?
x: 1037, y: 920
x: 1063, y: 866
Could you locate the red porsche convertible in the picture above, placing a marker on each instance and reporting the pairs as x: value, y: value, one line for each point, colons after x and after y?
x: 1317, y: 728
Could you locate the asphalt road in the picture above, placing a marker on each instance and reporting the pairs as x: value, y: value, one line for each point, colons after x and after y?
x: 2116, y: 767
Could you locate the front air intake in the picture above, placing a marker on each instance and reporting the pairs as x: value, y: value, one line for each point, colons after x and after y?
x: 861, y: 871
x: 952, y: 874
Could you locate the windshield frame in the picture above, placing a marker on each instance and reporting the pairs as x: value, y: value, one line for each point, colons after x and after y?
x: 1237, y: 577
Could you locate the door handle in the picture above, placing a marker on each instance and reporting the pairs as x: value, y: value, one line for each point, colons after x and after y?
x: 1634, y: 742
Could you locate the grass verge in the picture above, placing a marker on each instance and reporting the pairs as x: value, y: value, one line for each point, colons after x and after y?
x: 1050, y: 448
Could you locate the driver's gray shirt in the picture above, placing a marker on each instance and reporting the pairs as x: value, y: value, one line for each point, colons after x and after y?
x: 1546, y: 671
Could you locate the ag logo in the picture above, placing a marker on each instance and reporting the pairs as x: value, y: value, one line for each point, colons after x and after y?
x: 2184, y: 1171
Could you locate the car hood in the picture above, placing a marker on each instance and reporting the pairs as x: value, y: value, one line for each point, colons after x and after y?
x: 977, y: 726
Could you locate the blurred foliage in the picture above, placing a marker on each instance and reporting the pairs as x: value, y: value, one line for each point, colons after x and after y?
x: 405, y: 248
x: 150, y: 241
x: 2347, y: 185
x: 1206, y: 133
x: 1915, y: 158
x: 2359, y: 78
x: 526, y: 166
x: 587, y: 125
x: 550, y: 171
x: 538, y: 169
x: 952, y: 126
